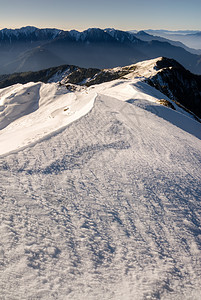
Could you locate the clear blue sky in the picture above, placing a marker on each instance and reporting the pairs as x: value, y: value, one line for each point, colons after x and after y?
x: 119, y: 14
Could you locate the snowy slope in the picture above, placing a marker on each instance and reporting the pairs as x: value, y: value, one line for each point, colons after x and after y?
x: 34, y: 110
x: 105, y: 207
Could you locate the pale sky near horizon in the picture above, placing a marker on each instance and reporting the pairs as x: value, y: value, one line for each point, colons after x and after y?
x: 80, y: 15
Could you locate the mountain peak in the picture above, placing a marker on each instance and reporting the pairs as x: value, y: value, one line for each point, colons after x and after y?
x: 165, y: 62
x: 141, y: 33
x: 28, y: 28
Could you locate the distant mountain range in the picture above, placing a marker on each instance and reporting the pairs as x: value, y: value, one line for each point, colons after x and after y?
x: 144, y: 36
x: 190, y: 38
x: 33, y: 49
x: 165, y: 31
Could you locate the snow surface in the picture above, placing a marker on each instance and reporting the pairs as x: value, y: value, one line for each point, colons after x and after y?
x: 31, y: 111
x: 100, y: 197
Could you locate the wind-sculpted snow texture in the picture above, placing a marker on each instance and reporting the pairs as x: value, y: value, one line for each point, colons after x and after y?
x: 109, y: 208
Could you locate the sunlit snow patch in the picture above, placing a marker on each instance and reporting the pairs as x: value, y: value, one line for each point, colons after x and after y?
x: 30, y: 112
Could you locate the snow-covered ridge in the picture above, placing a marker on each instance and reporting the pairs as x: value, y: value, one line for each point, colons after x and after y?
x: 168, y: 76
x: 35, y: 110
x: 29, y: 31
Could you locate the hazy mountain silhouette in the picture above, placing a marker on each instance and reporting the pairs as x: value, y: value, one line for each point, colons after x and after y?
x: 30, y: 48
x: 144, y: 36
